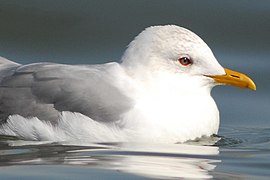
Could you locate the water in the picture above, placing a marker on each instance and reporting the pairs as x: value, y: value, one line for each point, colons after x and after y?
x: 240, y: 154
x: 96, y: 32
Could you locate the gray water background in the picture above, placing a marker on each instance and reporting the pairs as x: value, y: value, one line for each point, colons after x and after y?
x: 87, y: 32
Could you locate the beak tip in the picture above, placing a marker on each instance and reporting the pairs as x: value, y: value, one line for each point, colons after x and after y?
x: 251, y: 84
x: 252, y: 87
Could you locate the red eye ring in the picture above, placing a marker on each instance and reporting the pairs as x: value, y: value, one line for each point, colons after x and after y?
x: 185, y: 61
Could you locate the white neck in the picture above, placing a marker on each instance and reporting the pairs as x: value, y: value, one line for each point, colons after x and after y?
x: 166, y: 106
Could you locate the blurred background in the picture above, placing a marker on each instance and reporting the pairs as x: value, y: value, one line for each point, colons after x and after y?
x: 94, y: 31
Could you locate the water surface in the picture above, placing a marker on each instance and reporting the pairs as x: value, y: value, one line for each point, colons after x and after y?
x: 239, y: 154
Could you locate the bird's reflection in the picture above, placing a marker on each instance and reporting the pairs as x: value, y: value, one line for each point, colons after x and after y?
x: 147, y: 160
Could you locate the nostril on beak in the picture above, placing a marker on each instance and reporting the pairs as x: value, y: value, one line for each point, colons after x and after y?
x: 235, y: 76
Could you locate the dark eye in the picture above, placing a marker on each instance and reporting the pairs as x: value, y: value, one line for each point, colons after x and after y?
x: 185, y: 61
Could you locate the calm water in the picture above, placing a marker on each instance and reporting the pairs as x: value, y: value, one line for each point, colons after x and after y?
x: 240, y: 154
x: 96, y: 32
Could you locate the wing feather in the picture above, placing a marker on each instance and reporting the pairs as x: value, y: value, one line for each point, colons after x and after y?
x: 44, y: 90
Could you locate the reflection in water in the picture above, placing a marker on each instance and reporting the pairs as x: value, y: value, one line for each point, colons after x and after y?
x: 148, y: 160
x: 173, y: 161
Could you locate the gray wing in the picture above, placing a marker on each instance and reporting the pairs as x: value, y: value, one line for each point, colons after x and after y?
x: 43, y: 90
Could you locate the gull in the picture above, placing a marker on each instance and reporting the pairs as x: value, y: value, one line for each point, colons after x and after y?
x: 159, y: 92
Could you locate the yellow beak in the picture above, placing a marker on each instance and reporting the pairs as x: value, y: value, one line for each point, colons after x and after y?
x: 235, y: 79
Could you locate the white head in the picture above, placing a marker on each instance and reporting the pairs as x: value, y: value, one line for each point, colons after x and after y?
x: 176, y: 50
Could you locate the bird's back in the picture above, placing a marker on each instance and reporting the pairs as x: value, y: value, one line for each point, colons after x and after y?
x: 44, y: 90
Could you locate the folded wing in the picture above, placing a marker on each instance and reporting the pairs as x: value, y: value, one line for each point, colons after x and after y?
x: 43, y: 90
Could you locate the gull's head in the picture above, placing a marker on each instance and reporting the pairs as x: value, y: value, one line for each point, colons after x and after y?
x: 175, y: 50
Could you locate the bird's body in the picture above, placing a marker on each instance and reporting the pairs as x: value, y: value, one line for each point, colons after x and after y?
x: 159, y: 92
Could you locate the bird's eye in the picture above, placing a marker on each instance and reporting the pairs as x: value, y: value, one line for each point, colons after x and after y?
x: 185, y: 61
